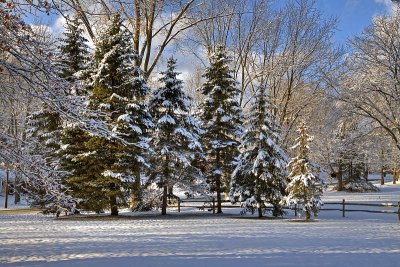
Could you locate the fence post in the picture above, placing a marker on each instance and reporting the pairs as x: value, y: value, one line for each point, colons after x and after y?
x: 398, y: 210
x: 295, y: 210
x: 213, y: 205
x: 179, y: 205
x: 343, y: 208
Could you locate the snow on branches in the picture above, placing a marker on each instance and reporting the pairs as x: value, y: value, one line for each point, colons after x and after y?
x: 305, y: 186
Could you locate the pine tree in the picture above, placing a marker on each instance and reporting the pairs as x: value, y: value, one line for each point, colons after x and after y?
x: 118, y: 90
x: 175, y: 138
x: 74, y: 53
x: 75, y: 59
x: 134, y: 127
x: 305, y: 186
x: 222, y: 120
x: 260, y: 174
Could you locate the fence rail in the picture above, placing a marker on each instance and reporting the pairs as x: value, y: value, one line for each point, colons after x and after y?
x: 211, y: 205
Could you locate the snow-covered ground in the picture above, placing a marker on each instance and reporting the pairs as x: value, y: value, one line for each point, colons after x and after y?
x: 198, y: 238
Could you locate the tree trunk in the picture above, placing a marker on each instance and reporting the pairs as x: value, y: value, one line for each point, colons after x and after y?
x: 366, y: 172
x: 260, y: 212
x: 136, y: 35
x: 113, y: 201
x: 308, y: 215
x: 394, y: 175
x: 17, y: 189
x: 170, y: 190
x: 164, y: 200
x: 382, y: 176
x: 350, y: 179
x: 218, y: 185
x: 114, y: 207
x: 219, y: 198
x: 340, y: 177
x: 6, y: 191
x: 137, y: 190
x: 165, y: 186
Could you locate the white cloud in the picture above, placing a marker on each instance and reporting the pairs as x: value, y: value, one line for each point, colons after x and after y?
x: 58, y: 25
x: 389, y: 4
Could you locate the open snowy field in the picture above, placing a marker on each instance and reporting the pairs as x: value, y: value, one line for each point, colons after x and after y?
x: 198, y: 238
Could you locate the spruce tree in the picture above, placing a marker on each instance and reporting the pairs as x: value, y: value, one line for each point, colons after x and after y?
x: 222, y: 119
x: 75, y: 58
x: 74, y: 53
x: 175, y: 139
x: 134, y: 127
x: 118, y: 90
x: 259, y: 177
x: 305, y: 186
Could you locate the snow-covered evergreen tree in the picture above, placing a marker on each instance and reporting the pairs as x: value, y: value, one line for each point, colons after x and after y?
x: 43, y: 135
x: 74, y: 53
x: 74, y: 152
x: 222, y: 121
x: 46, y: 126
x: 175, y: 138
x: 134, y: 127
x: 118, y: 90
x: 260, y: 175
x: 305, y: 186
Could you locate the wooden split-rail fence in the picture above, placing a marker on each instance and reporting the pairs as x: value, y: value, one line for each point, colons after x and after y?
x: 344, y: 207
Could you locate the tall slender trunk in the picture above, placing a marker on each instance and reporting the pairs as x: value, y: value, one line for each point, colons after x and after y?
x: 350, y: 172
x: 137, y: 192
x: 218, y: 184
x: 219, y: 197
x: 339, y: 176
x: 164, y: 200
x: 366, y: 171
x: 136, y: 35
x: 382, y: 175
x: 17, y: 186
x: 394, y: 175
x: 17, y: 189
x: 165, y: 187
x: 6, y: 190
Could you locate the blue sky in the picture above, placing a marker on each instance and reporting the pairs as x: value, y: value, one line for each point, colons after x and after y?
x: 353, y: 15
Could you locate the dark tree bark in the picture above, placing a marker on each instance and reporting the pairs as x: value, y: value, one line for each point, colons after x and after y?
x: 339, y: 176
x: 308, y: 215
x: 113, y: 201
x: 164, y: 200
x: 6, y: 191
x: 366, y: 172
x: 17, y: 189
x: 170, y: 190
x: 165, y: 187
x: 137, y: 192
x: 218, y: 185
